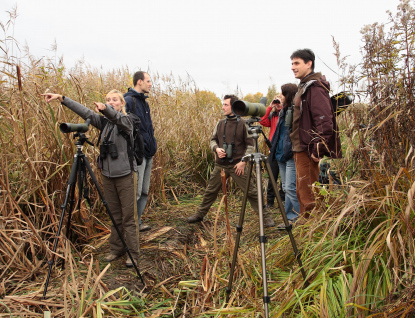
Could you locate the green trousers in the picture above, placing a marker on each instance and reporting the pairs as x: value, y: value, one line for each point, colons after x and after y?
x: 215, y: 185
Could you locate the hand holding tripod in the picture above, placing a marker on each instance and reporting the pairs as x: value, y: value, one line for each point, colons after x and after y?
x: 257, y: 158
x: 79, y: 169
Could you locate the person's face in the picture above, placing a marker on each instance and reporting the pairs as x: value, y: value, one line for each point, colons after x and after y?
x: 227, y: 107
x: 144, y: 86
x: 282, y: 100
x: 115, y: 101
x: 300, y: 68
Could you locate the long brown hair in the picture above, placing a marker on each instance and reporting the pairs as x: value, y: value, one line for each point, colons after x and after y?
x: 289, y: 91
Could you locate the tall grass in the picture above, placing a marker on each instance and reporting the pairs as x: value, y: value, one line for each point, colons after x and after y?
x: 357, y: 248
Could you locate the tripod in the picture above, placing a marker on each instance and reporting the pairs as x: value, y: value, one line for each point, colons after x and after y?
x: 78, y: 171
x: 257, y: 158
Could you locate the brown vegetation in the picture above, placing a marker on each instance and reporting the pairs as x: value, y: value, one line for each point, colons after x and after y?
x: 358, y: 248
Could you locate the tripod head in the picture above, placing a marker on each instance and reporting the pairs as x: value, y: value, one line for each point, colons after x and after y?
x: 254, y: 131
x: 81, y: 140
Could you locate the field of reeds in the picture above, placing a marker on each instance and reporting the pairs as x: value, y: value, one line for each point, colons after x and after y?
x: 357, y: 247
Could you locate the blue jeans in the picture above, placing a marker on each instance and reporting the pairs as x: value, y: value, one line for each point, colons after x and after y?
x: 288, y: 180
x: 143, y: 185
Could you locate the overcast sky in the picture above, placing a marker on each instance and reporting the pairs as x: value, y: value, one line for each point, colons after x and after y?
x: 221, y: 44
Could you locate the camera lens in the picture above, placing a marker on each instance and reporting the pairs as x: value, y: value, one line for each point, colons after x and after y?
x: 276, y: 101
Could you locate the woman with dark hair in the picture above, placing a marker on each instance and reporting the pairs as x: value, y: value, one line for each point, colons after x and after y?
x: 281, y: 151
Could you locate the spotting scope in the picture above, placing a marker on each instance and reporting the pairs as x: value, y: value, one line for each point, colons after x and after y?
x: 243, y: 108
x: 67, y: 128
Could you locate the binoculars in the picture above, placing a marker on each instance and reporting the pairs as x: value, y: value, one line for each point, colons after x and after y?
x: 108, y: 147
x: 229, y: 149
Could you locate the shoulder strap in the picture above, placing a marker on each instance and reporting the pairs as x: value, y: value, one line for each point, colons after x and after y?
x: 104, y: 122
x: 109, y: 133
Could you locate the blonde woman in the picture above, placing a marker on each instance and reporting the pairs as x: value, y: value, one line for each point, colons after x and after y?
x: 118, y: 171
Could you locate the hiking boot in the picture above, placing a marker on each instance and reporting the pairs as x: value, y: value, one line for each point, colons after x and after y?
x: 145, y: 227
x: 268, y: 220
x: 112, y: 257
x: 129, y: 263
x: 269, y: 205
x: 194, y: 218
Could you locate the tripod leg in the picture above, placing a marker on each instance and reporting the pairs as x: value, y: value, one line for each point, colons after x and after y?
x: 95, y: 181
x: 262, y: 237
x: 71, y: 183
x: 288, y: 226
x: 239, y: 232
x: 80, y: 179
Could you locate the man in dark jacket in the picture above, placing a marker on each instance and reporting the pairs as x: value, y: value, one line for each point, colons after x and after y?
x: 314, y: 131
x: 136, y: 103
x: 230, y: 131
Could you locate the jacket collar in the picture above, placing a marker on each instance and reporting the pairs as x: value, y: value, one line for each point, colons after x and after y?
x: 137, y: 94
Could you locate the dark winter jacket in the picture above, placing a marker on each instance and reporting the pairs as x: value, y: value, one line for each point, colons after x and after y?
x: 142, y: 110
x: 317, y: 129
x: 283, y: 140
x: 111, y: 168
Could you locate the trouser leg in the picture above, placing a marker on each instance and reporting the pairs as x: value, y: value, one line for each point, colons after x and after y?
x: 275, y: 172
x: 252, y: 190
x: 290, y: 190
x: 211, y: 192
x: 114, y: 204
x: 143, y: 185
x: 306, y: 173
x: 126, y: 188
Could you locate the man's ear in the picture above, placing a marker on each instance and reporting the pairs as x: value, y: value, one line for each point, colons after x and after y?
x: 309, y: 64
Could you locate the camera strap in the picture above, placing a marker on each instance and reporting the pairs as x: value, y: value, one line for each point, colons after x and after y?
x: 238, y: 119
x: 107, y: 136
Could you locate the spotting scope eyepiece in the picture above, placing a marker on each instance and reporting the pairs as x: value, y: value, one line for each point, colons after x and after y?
x: 243, y: 108
x: 67, y: 128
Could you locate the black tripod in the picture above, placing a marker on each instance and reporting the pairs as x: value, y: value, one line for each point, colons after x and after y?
x: 78, y: 172
x: 259, y: 158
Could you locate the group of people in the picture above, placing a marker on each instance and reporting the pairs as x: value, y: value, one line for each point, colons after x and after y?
x: 303, y: 130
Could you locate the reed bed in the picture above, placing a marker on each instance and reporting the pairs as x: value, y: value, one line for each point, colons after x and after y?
x: 357, y: 247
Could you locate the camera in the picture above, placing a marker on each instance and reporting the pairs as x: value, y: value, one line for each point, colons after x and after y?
x: 276, y: 101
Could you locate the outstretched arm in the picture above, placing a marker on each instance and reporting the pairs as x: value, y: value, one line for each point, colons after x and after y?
x: 50, y: 97
x: 77, y: 108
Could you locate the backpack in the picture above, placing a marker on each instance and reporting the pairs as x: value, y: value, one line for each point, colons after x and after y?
x: 340, y: 102
x: 137, y: 149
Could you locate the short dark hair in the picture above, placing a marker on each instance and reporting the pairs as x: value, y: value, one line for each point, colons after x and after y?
x: 138, y: 76
x: 232, y: 97
x: 289, y: 91
x: 306, y: 55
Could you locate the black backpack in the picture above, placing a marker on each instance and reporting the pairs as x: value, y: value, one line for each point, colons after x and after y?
x: 137, y: 150
x: 340, y: 102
